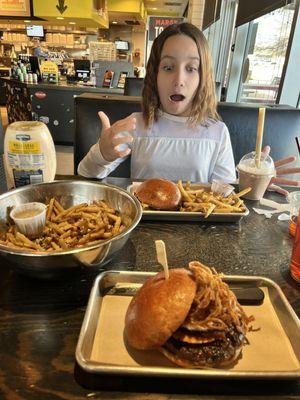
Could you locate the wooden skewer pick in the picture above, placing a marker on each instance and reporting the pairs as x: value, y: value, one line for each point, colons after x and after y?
x: 162, y: 256
x: 259, y: 136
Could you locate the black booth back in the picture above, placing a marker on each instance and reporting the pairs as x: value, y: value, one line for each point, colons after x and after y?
x: 282, y: 124
x: 88, y: 124
x: 133, y: 86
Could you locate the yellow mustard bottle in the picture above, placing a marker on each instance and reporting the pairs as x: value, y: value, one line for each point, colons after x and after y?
x: 29, y: 154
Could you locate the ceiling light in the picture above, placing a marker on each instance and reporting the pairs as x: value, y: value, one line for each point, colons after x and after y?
x: 114, y: 22
x: 27, y: 20
x: 153, y: 8
x: 72, y: 23
x: 59, y: 17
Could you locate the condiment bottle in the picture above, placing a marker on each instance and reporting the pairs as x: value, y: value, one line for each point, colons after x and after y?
x: 295, y: 259
x: 294, y: 199
x: 29, y: 154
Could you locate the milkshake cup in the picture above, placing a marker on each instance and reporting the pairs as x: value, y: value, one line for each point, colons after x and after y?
x: 252, y: 176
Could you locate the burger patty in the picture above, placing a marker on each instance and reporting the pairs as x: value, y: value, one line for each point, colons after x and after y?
x: 212, y: 354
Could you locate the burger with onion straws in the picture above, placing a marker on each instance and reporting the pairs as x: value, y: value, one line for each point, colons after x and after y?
x: 193, y: 318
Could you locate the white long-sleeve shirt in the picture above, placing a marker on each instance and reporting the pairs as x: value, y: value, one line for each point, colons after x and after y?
x: 171, y: 149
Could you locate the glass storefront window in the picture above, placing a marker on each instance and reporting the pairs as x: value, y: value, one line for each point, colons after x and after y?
x: 264, y: 62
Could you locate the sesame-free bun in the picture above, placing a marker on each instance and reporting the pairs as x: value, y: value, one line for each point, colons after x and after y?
x: 159, y: 308
x: 159, y: 194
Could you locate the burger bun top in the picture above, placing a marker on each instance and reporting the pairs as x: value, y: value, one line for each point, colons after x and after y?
x: 159, y: 194
x: 159, y: 308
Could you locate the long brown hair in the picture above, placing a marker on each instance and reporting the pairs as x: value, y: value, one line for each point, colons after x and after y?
x: 204, y: 104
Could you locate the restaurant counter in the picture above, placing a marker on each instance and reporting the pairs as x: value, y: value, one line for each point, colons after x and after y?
x: 52, y: 103
x: 40, y: 320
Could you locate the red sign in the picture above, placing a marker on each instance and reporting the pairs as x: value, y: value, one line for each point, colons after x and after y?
x: 158, y: 24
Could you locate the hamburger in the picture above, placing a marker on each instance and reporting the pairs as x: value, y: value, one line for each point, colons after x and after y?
x: 193, y: 318
x: 159, y: 194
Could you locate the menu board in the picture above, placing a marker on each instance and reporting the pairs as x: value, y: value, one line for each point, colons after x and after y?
x: 15, y: 8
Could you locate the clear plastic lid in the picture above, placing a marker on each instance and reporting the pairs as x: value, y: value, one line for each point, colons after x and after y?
x: 248, y: 164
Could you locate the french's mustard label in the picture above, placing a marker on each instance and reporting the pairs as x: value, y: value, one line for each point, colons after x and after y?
x: 18, y: 147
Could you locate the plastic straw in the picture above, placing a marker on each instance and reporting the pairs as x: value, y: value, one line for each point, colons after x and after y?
x: 162, y: 256
x: 259, y: 136
x: 298, y: 144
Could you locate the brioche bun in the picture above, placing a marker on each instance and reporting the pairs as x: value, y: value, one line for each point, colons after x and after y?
x: 159, y: 308
x: 159, y: 194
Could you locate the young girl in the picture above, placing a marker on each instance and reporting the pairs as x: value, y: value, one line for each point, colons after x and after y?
x: 178, y: 135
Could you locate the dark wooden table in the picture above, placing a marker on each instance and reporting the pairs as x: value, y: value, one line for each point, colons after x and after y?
x: 40, y: 320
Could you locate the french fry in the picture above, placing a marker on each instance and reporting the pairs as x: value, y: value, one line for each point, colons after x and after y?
x: 22, y: 238
x: 50, y: 209
x: 210, y: 210
x: 183, y: 192
x: 58, y: 206
x: 62, y: 243
x: 55, y: 246
x: 97, y: 234
x: 243, y: 192
x: 117, y: 225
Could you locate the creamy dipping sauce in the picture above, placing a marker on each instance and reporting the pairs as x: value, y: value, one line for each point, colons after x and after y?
x: 28, y: 213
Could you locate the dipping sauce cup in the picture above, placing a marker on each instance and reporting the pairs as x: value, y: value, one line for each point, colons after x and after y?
x: 30, y: 218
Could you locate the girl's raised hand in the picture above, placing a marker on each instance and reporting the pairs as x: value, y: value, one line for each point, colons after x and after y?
x: 110, y: 138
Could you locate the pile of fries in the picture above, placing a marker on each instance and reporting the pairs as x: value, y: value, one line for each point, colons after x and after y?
x: 200, y: 200
x: 80, y: 225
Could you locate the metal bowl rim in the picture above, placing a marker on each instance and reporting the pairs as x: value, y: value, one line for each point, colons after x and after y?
x: 29, y: 253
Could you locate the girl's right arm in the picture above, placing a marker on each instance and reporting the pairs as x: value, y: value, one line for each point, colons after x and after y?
x: 107, y: 153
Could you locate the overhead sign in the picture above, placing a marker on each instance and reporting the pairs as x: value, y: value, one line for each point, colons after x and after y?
x: 15, y: 8
x: 84, y: 12
x: 157, y: 24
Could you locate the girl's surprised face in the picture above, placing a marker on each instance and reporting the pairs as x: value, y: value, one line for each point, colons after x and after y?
x: 178, y: 75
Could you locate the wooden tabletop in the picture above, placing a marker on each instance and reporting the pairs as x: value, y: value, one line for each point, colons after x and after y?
x: 40, y: 320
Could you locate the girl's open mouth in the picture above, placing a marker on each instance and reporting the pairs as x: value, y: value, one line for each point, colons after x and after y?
x: 177, y: 97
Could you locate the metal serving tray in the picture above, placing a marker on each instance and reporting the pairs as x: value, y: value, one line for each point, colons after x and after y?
x: 272, y: 352
x: 188, y: 216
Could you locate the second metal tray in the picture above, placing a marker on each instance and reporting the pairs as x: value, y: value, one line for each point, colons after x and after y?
x: 154, y: 215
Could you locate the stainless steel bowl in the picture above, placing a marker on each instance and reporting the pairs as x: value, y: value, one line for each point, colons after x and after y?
x: 68, y: 193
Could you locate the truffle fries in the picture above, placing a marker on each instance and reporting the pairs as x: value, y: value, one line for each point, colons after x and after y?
x: 80, y: 225
x: 207, y: 202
